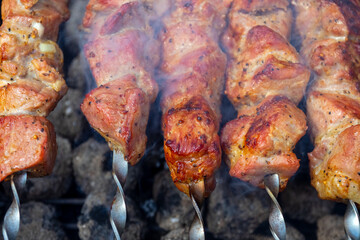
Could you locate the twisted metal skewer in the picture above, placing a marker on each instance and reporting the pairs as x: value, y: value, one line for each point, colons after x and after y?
x: 11, y: 223
x: 118, y: 207
x: 197, y: 191
x: 351, y: 222
x: 276, y: 218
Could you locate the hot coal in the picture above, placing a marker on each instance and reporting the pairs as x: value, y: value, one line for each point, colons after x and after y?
x: 89, y: 160
x: 67, y: 117
x: 174, y: 210
x: 38, y: 221
x: 330, y: 227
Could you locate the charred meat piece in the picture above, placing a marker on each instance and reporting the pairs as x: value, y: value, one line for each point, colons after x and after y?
x: 265, y: 81
x: 31, y: 84
x: 122, y: 55
x: 331, y: 47
x: 192, y: 71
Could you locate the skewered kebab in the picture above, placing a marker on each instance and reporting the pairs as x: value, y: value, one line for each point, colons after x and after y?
x: 31, y: 85
x: 265, y: 81
x: 330, y: 33
x: 122, y: 55
x: 192, y: 75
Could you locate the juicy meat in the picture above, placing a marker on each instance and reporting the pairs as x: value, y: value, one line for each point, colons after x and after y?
x: 31, y: 84
x: 268, y: 65
x: 262, y: 143
x: 192, y: 71
x: 331, y: 47
x: 122, y: 55
x: 30, y: 60
x: 265, y: 81
x: 124, y: 108
x: 26, y: 143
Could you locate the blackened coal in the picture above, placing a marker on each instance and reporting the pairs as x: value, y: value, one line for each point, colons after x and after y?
x: 99, y: 213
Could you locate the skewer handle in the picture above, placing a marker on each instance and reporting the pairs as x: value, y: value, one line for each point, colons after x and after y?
x: 276, y: 218
x: 351, y: 222
x: 11, y: 223
x: 118, y: 207
x: 197, y: 191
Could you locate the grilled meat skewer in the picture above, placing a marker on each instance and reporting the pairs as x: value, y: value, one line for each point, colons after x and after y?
x: 265, y: 82
x: 122, y: 55
x: 331, y: 48
x: 31, y: 84
x: 192, y: 73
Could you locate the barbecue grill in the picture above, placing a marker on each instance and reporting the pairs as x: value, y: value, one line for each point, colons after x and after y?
x: 74, y: 202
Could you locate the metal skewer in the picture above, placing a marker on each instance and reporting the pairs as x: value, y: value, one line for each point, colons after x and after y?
x: 11, y: 223
x: 276, y: 218
x: 351, y: 222
x: 118, y: 207
x: 197, y: 191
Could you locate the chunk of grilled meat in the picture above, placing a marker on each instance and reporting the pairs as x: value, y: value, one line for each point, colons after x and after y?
x: 193, y: 70
x: 260, y: 144
x: 265, y: 82
x: 31, y: 62
x: 122, y: 55
x: 331, y: 47
x: 27, y: 143
x: 30, y: 84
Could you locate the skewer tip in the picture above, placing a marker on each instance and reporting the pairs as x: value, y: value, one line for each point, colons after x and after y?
x: 351, y: 222
x: 11, y: 223
x: 197, y: 191
x: 276, y: 218
x: 118, y: 207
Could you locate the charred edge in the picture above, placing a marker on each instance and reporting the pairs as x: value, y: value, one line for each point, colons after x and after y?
x: 271, y: 102
x: 351, y: 11
x: 262, y: 12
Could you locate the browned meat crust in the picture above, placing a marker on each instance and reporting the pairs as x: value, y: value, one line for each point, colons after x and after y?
x: 265, y: 81
x: 331, y: 47
x: 261, y: 143
x: 193, y: 70
x: 30, y: 60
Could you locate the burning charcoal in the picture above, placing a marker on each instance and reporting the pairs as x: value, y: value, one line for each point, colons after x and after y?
x: 94, y: 220
x: 331, y: 227
x: 58, y: 182
x: 177, y: 234
x: 92, y: 167
x: 135, y: 227
x: 38, y: 223
x: 67, y: 117
x: 96, y: 158
x: 78, y: 73
x: 312, y: 208
x: 236, y: 208
x: 291, y: 233
x: 174, y: 208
